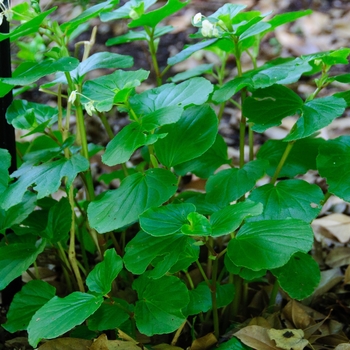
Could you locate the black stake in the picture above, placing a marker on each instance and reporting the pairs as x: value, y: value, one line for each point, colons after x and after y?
x: 7, y: 134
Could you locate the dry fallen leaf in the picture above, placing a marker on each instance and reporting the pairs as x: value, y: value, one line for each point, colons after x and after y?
x: 102, y: 343
x: 256, y: 337
x: 343, y: 347
x: 337, y: 225
x: 66, y: 344
x: 338, y: 257
x: 166, y: 347
x: 288, y: 339
x: 204, y: 343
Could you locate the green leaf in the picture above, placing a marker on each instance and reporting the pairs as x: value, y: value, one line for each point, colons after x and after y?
x: 228, y: 9
x: 199, y: 225
x: 193, y: 91
x: 284, y: 18
x: 333, y: 164
x: 17, y: 213
x: 29, y: 27
x: 229, y: 185
x: 273, y: 103
x: 194, y: 72
x: 158, y: 310
x: 206, y: 164
x: 315, y: 115
x: 138, y: 192
x: 15, y: 258
x: 101, y: 60
x: 160, y: 117
x: 25, y: 303
x: 269, y: 244
x: 255, y: 29
x: 288, y: 199
x: 298, y: 161
x: 59, y: 315
x: 59, y: 222
x: 152, y: 18
x: 46, y: 177
x: 88, y: 14
x: 104, y: 273
x: 128, y: 140
x: 123, y: 11
x: 186, y: 53
x: 110, y: 315
x: 131, y: 36
x: 233, y: 343
x: 109, y: 89
x: 31, y: 116
x: 229, y: 218
x: 299, y: 277
x: 144, y: 249
x: 279, y: 71
x: 5, y: 163
x: 28, y: 73
x: 243, y: 272
x: 167, y: 220
x: 184, y: 141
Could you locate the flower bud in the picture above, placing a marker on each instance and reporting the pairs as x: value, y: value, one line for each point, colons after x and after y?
x: 197, y: 18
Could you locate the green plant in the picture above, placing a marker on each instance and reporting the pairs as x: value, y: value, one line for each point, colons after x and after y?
x: 149, y: 232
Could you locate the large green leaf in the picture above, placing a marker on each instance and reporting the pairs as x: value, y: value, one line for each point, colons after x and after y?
x: 166, y: 220
x: 333, y: 164
x: 299, y: 277
x: 288, y: 199
x: 273, y: 103
x: 17, y: 213
x: 269, y: 244
x: 193, y: 72
x: 158, y: 310
x: 145, y: 249
x: 229, y: 185
x: 101, y: 60
x: 58, y: 222
x: 128, y: 140
x: 59, y: 315
x: 88, y: 14
x: 186, y: 53
x: 298, y: 161
x: 29, y: 27
x: 193, y: 91
x: 131, y: 36
x: 46, y: 177
x: 206, y: 164
x: 104, y: 273
x: 315, y: 115
x: 15, y: 258
x: 232, y: 10
x: 28, y: 73
x: 25, y: 303
x: 229, y: 218
x: 113, y: 88
x: 138, y: 192
x: 31, y: 116
x: 198, y: 225
x: 123, y: 11
x: 189, y: 138
x: 5, y: 162
x: 152, y: 18
x: 111, y: 314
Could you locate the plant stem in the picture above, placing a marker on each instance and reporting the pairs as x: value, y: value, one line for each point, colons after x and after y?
x: 213, y: 299
x: 203, y: 273
x: 178, y: 332
x: 71, y: 251
x: 273, y: 295
x: 238, y: 282
x: 251, y: 142
x: 106, y: 125
x: 282, y: 161
x: 153, y: 51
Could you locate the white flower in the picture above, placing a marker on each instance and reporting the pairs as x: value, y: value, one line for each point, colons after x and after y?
x: 89, y: 107
x: 209, y: 29
x: 133, y: 14
x: 72, y: 96
x: 7, y: 12
x: 197, y: 18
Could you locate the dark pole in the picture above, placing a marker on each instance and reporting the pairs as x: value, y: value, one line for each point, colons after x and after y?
x: 7, y: 134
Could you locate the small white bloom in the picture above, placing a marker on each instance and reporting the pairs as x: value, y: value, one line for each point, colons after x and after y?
x: 215, y: 32
x: 72, y: 96
x: 207, y: 25
x: 5, y: 12
x: 133, y: 14
x: 197, y: 18
x: 89, y: 107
